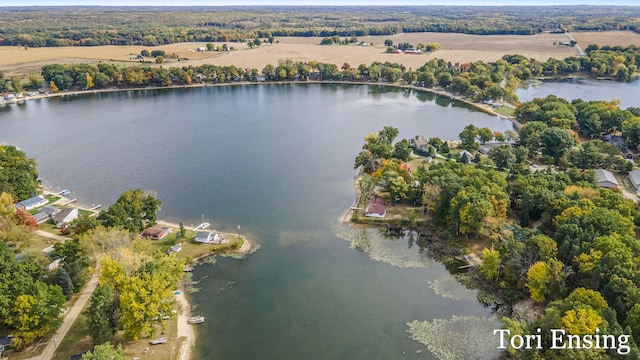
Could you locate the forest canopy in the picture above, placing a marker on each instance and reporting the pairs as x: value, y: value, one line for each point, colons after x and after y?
x: 150, y: 26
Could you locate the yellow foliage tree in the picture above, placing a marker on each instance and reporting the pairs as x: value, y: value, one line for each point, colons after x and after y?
x: 537, y: 280
x: 583, y: 320
x: 53, y: 86
x: 490, y: 263
x: 88, y: 81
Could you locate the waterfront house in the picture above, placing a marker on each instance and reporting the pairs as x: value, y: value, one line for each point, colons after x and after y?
x: 420, y: 143
x: 41, y: 217
x: 156, y: 232
x: 50, y: 210
x: 65, y: 216
x: 31, y: 203
x: 486, y: 147
x: 376, y: 209
x: 634, y: 177
x: 207, y: 237
x: 606, y: 179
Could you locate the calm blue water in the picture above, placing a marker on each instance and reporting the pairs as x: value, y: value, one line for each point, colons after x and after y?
x: 586, y: 89
x: 277, y: 160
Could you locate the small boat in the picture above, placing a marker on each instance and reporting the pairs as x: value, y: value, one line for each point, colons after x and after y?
x: 158, y: 341
x: 65, y: 192
x: 202, y: 226
x: 188, y: 269
x: 196, y: 319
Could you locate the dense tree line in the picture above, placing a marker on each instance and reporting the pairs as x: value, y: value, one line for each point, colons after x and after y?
x: 150, y: 26
x: 579, y: 260
x: 478, y: 81
x: 18, y: 174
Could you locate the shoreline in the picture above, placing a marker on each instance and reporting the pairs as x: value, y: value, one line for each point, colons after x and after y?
x: 186, y: 335
x: 479, y: 106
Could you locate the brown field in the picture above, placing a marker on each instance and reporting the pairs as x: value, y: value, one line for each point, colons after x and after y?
x: 612, y: 38
x: 457, y: 48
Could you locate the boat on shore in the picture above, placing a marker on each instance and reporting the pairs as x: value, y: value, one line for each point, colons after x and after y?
x: 196, y: 319
x: 158, y: 341
x: 202, y: 226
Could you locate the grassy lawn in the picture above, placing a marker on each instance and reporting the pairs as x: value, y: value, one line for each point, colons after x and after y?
x: 84, y: 212
x: 77, y: 339
x: 505, y: 110
x: 51, y: 198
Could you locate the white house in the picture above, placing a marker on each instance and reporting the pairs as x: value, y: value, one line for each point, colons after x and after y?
x: 207, y: 237
x: 31, y: 203
x: 65, y: 216
x: 634, y: 177
x: 606, y: 179
x: 201, y: 49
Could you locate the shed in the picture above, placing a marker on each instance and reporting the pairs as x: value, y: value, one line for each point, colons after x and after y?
x: 606, y: 179
x: 175, y: 248
x: 634, y: 177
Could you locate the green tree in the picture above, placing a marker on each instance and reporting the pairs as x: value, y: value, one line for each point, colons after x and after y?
x: 105, y: 351
x: 631, y: 131
x: 586, y: 156
x: 134, y: 210
x: 64, y: 281
x: 103, y: 314
x: 557, y: 142
x: 468, y: 138
x: 503, y: 156
x: 159, y: 59
x: 367, y: 187
x: 485, y: 134
x: 402, y: 150
x: 18, y: 174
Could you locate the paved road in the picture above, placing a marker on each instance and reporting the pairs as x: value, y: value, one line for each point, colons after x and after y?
x: 69, y: 319
x: 580, y: 51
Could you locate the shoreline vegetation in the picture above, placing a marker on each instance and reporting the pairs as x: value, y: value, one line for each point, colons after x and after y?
x: 185, y: 339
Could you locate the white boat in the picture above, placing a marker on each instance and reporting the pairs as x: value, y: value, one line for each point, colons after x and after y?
x: 196, y: 319
x: 158, y: 341
x: 202, y: 226
x: 65, y: 192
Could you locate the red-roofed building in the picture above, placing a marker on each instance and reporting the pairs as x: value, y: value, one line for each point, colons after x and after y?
x: 376, y: 208
x: 156, y: 232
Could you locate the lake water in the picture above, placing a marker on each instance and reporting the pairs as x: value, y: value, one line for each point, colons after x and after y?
x: 278, y: 161
x: 586, y: 89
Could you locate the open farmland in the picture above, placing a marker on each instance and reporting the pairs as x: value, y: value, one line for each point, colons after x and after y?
x: 457, y: 48
x: 611, y: 38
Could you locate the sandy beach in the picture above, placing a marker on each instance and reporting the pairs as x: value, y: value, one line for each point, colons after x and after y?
x: 186, y: 334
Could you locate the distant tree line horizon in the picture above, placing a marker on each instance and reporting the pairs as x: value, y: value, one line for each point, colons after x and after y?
x: 153, y: 26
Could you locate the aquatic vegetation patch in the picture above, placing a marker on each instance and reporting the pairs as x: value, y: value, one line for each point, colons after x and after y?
x: 449, y: 288
x: 461, y: 337
x: 390, y: 251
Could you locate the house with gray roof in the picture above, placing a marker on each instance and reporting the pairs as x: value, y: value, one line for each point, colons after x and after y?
x: 31, y: 203
x: 207, y: 237
x: 606, y: 179
x: 634, y: 177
